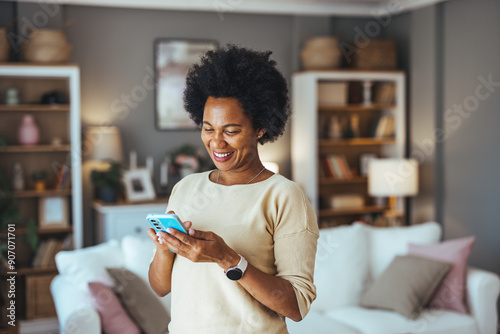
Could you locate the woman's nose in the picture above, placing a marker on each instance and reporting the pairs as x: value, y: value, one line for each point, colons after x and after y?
x: 218, y: 141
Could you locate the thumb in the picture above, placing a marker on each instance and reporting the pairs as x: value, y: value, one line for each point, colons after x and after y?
x: 200, y: 234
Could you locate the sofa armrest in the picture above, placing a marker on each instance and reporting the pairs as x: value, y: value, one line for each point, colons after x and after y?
x: 483, y: 288
x: 74, y: 311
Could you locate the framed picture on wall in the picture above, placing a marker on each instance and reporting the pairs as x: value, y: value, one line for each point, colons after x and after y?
x: 173, y: 58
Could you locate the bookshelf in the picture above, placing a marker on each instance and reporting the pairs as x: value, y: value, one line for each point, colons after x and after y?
x: 365, y: 118
x: 61, y: 121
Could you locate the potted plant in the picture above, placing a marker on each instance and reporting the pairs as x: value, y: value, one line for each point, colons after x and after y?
x: 108, y: 182
x: 39, y: 180
x: 10, y: 215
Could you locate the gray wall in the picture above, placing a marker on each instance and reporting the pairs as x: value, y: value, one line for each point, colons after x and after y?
x: 114, y: 48
x: 453, y: 46
x: 471, y: 152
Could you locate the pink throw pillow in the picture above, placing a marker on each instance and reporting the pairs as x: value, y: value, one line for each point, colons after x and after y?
x: 451, y: 292
x: 114, y: 318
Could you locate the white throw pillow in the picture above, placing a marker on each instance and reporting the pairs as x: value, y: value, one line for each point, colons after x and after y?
x: 384, y: 243
x: 341, y: 267
x: 85, y: 265
x: 138, y: 253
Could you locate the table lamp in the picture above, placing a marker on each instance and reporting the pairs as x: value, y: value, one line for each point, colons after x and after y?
x: 272, y: 166
x: 103, y: 143
x: 392, y: 178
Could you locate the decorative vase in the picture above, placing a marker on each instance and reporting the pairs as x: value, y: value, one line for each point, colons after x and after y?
x: 40, y: 185
x: 108, y: 195
x: 28, y: 133
x: 185, y: 171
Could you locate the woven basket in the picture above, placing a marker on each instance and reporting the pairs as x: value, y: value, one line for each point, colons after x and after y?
x: 46, y: 53
x: 4, y: 46
x: 377, y: 55
x: 321, y: 53
x: 46, y: 46
x: 47, y: 37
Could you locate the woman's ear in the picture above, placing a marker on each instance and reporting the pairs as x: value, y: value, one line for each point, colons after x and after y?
x: 260, y: 133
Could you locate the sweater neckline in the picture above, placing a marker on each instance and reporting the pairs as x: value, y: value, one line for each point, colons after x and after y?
x: 237, y: 185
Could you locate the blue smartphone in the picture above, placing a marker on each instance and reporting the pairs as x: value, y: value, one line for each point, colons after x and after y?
x: 162, y: 221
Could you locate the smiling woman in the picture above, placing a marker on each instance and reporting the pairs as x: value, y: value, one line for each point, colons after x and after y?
x: 247, y: 260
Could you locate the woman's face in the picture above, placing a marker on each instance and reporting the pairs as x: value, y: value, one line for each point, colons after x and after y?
x: 228, y: 134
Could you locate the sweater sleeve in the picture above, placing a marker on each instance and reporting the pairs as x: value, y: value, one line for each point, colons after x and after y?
x: 295, y: 240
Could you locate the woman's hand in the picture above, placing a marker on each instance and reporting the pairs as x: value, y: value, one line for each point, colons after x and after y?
x: 200, y: 246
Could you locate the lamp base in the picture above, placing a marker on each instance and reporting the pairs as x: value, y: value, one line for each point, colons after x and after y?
x: 393, y: 216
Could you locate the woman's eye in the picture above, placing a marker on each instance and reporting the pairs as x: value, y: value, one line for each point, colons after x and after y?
x: 232, y: 132
x: 207, y: 130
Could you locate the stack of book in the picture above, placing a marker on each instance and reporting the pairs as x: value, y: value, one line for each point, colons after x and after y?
x: 46, y: 253
x: 336, y: 166
x: 384, y: 127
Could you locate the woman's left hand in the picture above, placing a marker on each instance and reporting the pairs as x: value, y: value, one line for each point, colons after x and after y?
x: 201, y: 246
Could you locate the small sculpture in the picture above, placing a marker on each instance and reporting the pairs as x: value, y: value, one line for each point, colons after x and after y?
x: 12, y: 96
x: 18, y: 177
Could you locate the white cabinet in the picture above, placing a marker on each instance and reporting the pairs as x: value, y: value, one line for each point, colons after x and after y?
x: 347, y: 97
x: 114, y: 221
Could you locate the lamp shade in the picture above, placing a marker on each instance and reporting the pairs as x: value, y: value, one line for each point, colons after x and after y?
x: 392, y: 177
x: 272, y: 166
x: 103, y: 143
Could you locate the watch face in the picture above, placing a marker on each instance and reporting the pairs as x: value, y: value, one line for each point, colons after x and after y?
x: 234, y: 274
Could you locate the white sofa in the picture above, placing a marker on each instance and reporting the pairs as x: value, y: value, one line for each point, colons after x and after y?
x: 348, y: 261
x: 349, y: 258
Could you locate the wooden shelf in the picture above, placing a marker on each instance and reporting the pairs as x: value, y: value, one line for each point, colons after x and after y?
x: 31, y: 271
x: 352, y: 180
x: 356, y: 107
x: 35, y: 148
x: 355, y: 142
x: 351, y: 211
x: 36, y: 107
x: 55, y: 230
x: 45, y: 193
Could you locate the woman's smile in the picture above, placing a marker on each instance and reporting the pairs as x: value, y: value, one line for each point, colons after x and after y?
x: 222, y: 157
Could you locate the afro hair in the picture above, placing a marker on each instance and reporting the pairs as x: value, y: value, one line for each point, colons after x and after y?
x: 247, y: 75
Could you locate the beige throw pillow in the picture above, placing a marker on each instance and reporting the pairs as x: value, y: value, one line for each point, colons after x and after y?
x: 406, y: 285
x: 142, y: 305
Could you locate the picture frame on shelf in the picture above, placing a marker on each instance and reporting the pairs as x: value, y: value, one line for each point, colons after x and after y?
x: 172, y: 60
x: 138, y: 185
x: 53, y: 212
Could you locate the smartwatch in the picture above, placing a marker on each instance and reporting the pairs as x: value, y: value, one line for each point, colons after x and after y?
x: 236, y: 273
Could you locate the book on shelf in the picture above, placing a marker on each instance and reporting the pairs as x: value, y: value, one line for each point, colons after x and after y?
x: 63, y: 178
x: 383, y: 127
x: 385, y: 93
x: 46, y: 252
x: 336, y: 166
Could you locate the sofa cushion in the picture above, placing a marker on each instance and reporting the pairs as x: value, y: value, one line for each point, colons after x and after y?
x: 341, y: 267
x: 406, y: 285
x: 317, y: 323
x: 451, y: 293
x: 114, y: 318
x: 142, y: 305
x: 85, y: 265
x: 385, y: 243
x: 369, y: 321
x: 138, y: 252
